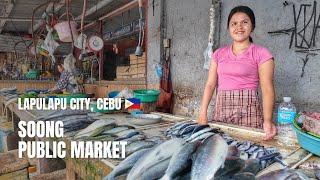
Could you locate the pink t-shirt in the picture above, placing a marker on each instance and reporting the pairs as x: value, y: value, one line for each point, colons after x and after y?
x: 241, y: 71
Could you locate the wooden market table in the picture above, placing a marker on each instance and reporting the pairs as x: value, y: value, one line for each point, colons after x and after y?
x: 84, y: 168
x: 98, y: 168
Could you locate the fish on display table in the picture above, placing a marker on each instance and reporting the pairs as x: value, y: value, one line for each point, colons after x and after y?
x: 126, y: 164
x: 158, y: 156
x: 210, y: 156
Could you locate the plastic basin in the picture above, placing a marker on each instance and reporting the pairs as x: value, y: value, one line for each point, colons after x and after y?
x: 113, y: 94
x: 32, y: 74
x: 146, y: 96
x: 307, y: 141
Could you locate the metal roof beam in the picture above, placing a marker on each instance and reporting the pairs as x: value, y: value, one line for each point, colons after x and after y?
x: 113, y: 13
x: 95, y: 8
x: 57, y: 7
x: 18, y: 19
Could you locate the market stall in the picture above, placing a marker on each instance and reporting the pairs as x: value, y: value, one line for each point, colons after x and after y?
x: 295, y: 157
x: 62, y: 60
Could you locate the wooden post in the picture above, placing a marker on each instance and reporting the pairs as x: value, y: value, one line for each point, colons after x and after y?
x: 70, y: 173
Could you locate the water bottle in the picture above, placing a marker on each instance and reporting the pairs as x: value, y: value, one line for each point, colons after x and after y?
x: 286, y: 114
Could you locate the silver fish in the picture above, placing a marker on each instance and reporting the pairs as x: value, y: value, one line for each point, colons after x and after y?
x: 173, y: 127
x: 199, y: 127
x: 188, y: 129
x: 156, y: 155
x: 252, y: 149
x: 115, y: 130
x: 245, y: 146
x: 126, y: 164
x: 203, y: 136
x: 156, y: 139
x: 256, y: 152
x: 234, y: 143
x: 156, y: 171
x: 137, y: 137
x: 125, y: 132
x: 210, y: 156
x: 182, y: 126
x: 92, y: 128
x: 137, y: 145
x: 208, y: 129
x: 129, y: 135
x: 179, y: 161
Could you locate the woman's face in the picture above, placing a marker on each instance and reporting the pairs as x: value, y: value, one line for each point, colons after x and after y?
x: 240, y: 27
x: 60, y: 68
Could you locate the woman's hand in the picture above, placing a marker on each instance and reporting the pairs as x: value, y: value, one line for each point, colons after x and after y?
x: 270, y: 130
x: 202, y: 119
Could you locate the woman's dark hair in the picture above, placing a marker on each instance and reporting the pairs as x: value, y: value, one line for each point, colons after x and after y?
x: 247, y: 11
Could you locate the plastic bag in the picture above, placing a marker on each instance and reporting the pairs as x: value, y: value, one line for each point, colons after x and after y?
x: 81, y: 41
x: 50, y: 44
x: 125, y: 93
x: 207, y: 56
x: 69, y: 63
x: 159, y: 70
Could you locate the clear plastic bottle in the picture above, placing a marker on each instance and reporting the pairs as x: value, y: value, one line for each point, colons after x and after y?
x: 286, y: 114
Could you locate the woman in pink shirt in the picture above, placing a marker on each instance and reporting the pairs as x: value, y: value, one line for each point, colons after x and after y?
x: 236, y: 71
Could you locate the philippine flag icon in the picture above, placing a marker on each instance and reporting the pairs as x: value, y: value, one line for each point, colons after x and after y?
x: 132, y: 103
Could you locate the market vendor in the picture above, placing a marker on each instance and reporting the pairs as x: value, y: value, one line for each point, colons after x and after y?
x: 69, y: 78
x: 236, y: 70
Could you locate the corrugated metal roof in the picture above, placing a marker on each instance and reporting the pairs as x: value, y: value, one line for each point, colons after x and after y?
x: 24, y: 9
x: 19, y: 22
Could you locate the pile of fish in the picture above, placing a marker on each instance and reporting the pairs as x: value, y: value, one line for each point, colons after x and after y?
x: 191, y: 132
x: 73, y: 120
x: 250, y: 150
x: 108, y: 130
x: 9, y: 94
x: 196, y: 152
x: 180, y: 159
